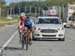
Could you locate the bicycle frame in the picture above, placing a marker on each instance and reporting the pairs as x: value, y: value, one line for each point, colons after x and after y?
x: 25, y: 38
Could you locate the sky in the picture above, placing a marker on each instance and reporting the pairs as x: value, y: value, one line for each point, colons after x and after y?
x: 9, y: 1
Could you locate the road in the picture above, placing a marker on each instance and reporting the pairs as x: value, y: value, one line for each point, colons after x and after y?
x: 38, y: 48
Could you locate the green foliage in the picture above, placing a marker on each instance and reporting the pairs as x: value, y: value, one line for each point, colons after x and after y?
x: 42, y: 3
x: 3, y: 7
x: 58, y: 2
x: 22, y: 4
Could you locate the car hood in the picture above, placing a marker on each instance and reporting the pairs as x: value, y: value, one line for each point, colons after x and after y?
x: 49, y: 26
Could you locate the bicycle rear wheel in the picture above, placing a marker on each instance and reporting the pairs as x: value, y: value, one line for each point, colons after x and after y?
x: 22, y: 42
x: 27, y: 43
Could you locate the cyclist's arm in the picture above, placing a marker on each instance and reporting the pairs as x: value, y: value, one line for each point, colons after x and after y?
x: 19, y: 22
x: 32, y: 23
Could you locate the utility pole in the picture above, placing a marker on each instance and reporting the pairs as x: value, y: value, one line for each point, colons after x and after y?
x: 0, y: 12
x: 60, y: 11
x: 25, y: 7
x: 0, y: 8
x: 30, y: 6
x: 35, y: 8
x: 18, y: 7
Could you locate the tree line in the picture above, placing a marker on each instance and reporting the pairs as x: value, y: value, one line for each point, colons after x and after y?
x: 34, y: 4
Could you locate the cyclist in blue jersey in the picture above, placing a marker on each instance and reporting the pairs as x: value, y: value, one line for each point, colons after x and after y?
x: 28, y: 24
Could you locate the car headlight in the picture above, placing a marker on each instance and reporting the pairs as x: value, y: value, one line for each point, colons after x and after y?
x: 36, y: 28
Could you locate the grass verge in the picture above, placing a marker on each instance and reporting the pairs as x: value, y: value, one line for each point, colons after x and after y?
x: 4, y: 21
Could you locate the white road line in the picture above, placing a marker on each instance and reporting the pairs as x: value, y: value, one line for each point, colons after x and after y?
x: 8, y: 41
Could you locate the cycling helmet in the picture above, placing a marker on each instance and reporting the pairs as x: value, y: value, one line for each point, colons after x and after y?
x: 27, y: 18
x: 22, y: 14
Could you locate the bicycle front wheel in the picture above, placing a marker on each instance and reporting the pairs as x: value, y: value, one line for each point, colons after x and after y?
x: 22, y: 43
x: 26, y: 43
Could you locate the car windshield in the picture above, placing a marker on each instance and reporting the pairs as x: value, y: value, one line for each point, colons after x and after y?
x: 49, y: 21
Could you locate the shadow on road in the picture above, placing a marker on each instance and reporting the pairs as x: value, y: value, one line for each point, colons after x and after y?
x: 48, y: 40
x: 12, y: 48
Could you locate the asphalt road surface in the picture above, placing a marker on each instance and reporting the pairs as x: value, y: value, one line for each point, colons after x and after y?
x: 38, y: 48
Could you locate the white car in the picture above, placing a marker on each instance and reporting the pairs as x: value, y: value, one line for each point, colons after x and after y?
x: 49, y: 27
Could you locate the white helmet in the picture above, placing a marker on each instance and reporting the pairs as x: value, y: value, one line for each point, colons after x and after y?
x: 22, y: 14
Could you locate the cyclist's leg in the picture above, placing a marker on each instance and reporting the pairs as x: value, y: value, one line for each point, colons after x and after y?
x: 25, y: 28
x: 20, y: 31
x: 28, y: 28
x: 21, y: 28
x: 30, y: 36
x: 30, y: 33
x: 19, y: 34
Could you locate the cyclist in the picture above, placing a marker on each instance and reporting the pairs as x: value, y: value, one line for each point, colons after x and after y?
x: 24, y: 25
x: 22, y: 17
x: 20, y: 26
x: 28, y: 24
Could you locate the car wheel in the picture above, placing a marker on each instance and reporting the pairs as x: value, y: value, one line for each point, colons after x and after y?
x: 73, y: 27
x: 34, y: 38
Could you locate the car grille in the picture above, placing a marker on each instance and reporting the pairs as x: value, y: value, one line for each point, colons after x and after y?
x: 48, y: 31
x: 49, y: 35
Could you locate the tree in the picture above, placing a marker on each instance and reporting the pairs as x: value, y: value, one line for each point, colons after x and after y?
x: 2, y: 7
x: 58, y: 2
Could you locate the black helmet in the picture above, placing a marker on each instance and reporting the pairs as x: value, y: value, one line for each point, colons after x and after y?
x: 27, y: 18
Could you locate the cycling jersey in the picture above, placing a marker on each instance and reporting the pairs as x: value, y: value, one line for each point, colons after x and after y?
x: 28, y: 23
